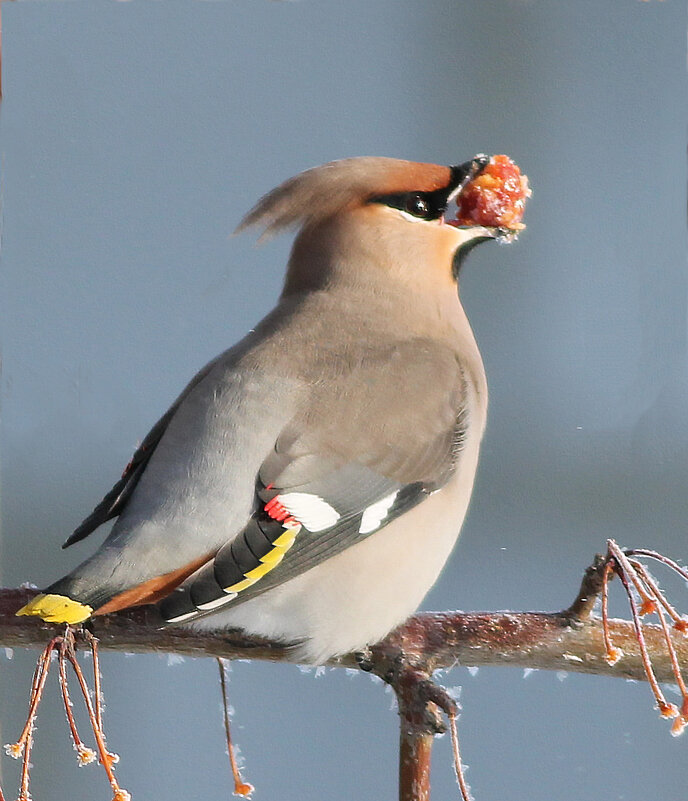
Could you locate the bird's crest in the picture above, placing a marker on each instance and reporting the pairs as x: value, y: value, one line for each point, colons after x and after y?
x: 321, y: 192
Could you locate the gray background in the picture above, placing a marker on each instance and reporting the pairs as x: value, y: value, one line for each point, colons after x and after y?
x: 134, y: 135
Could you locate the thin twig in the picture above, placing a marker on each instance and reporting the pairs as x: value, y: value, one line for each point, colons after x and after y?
x: 241, y: 787
x: 97, y: 690
x: 626, y: 574
x: 22, y: 748
x: 660, y: 558
x: 656, y: 593
x: 38, y: 683
x: 458, y: 763
x: 626, y: 569
x: 613, y: 654
x: 85, y: 755
x: 106, y: 759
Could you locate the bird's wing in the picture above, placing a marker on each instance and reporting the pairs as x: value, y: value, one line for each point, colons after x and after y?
x: 114, y: 503
x: 367, y: 448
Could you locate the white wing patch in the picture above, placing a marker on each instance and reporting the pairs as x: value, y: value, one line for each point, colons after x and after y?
x: 310, y: 510
x: 229, y: 596
x: 376, y: 513
x: 182, y: 618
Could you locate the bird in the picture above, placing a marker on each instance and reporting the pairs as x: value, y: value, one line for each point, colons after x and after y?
x: 309, y: 483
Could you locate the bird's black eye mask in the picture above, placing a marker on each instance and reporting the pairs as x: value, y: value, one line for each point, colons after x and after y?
x: 432, y: 205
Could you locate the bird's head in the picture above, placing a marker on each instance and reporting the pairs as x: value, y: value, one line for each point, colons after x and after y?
x: 365, y: 219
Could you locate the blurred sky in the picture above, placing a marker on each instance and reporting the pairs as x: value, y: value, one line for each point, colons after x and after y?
x: 132, y: 138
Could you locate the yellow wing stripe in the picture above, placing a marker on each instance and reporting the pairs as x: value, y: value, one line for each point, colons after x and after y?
x: 273, y: 558
x: 62, y: 609
x: 56, y: 609
x: 276, y: 557
x: 240, y: 585
x: 286, y: 540
x: 268, y: 562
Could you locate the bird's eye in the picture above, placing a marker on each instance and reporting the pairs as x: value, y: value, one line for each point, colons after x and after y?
x: 417, y: 205
x: 423, y: 205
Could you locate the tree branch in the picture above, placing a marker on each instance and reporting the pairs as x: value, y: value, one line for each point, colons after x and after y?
x: 541, y: 640
x: 571, y: 640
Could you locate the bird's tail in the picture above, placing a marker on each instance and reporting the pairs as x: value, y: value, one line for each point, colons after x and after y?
x: 54, y: 608
x: 100, y: 585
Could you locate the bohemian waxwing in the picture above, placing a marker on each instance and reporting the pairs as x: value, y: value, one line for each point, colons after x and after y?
x: 309, y: 484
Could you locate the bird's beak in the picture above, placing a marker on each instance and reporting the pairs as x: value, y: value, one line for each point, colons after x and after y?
x: 464, y: 173
x: 475, y: 234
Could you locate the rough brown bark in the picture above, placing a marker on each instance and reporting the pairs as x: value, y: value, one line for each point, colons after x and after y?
x: 542, y: 640
x: 415, y: 750
x: 570, y: 640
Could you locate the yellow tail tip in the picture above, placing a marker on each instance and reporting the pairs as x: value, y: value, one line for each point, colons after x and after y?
x: 56, y: 609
